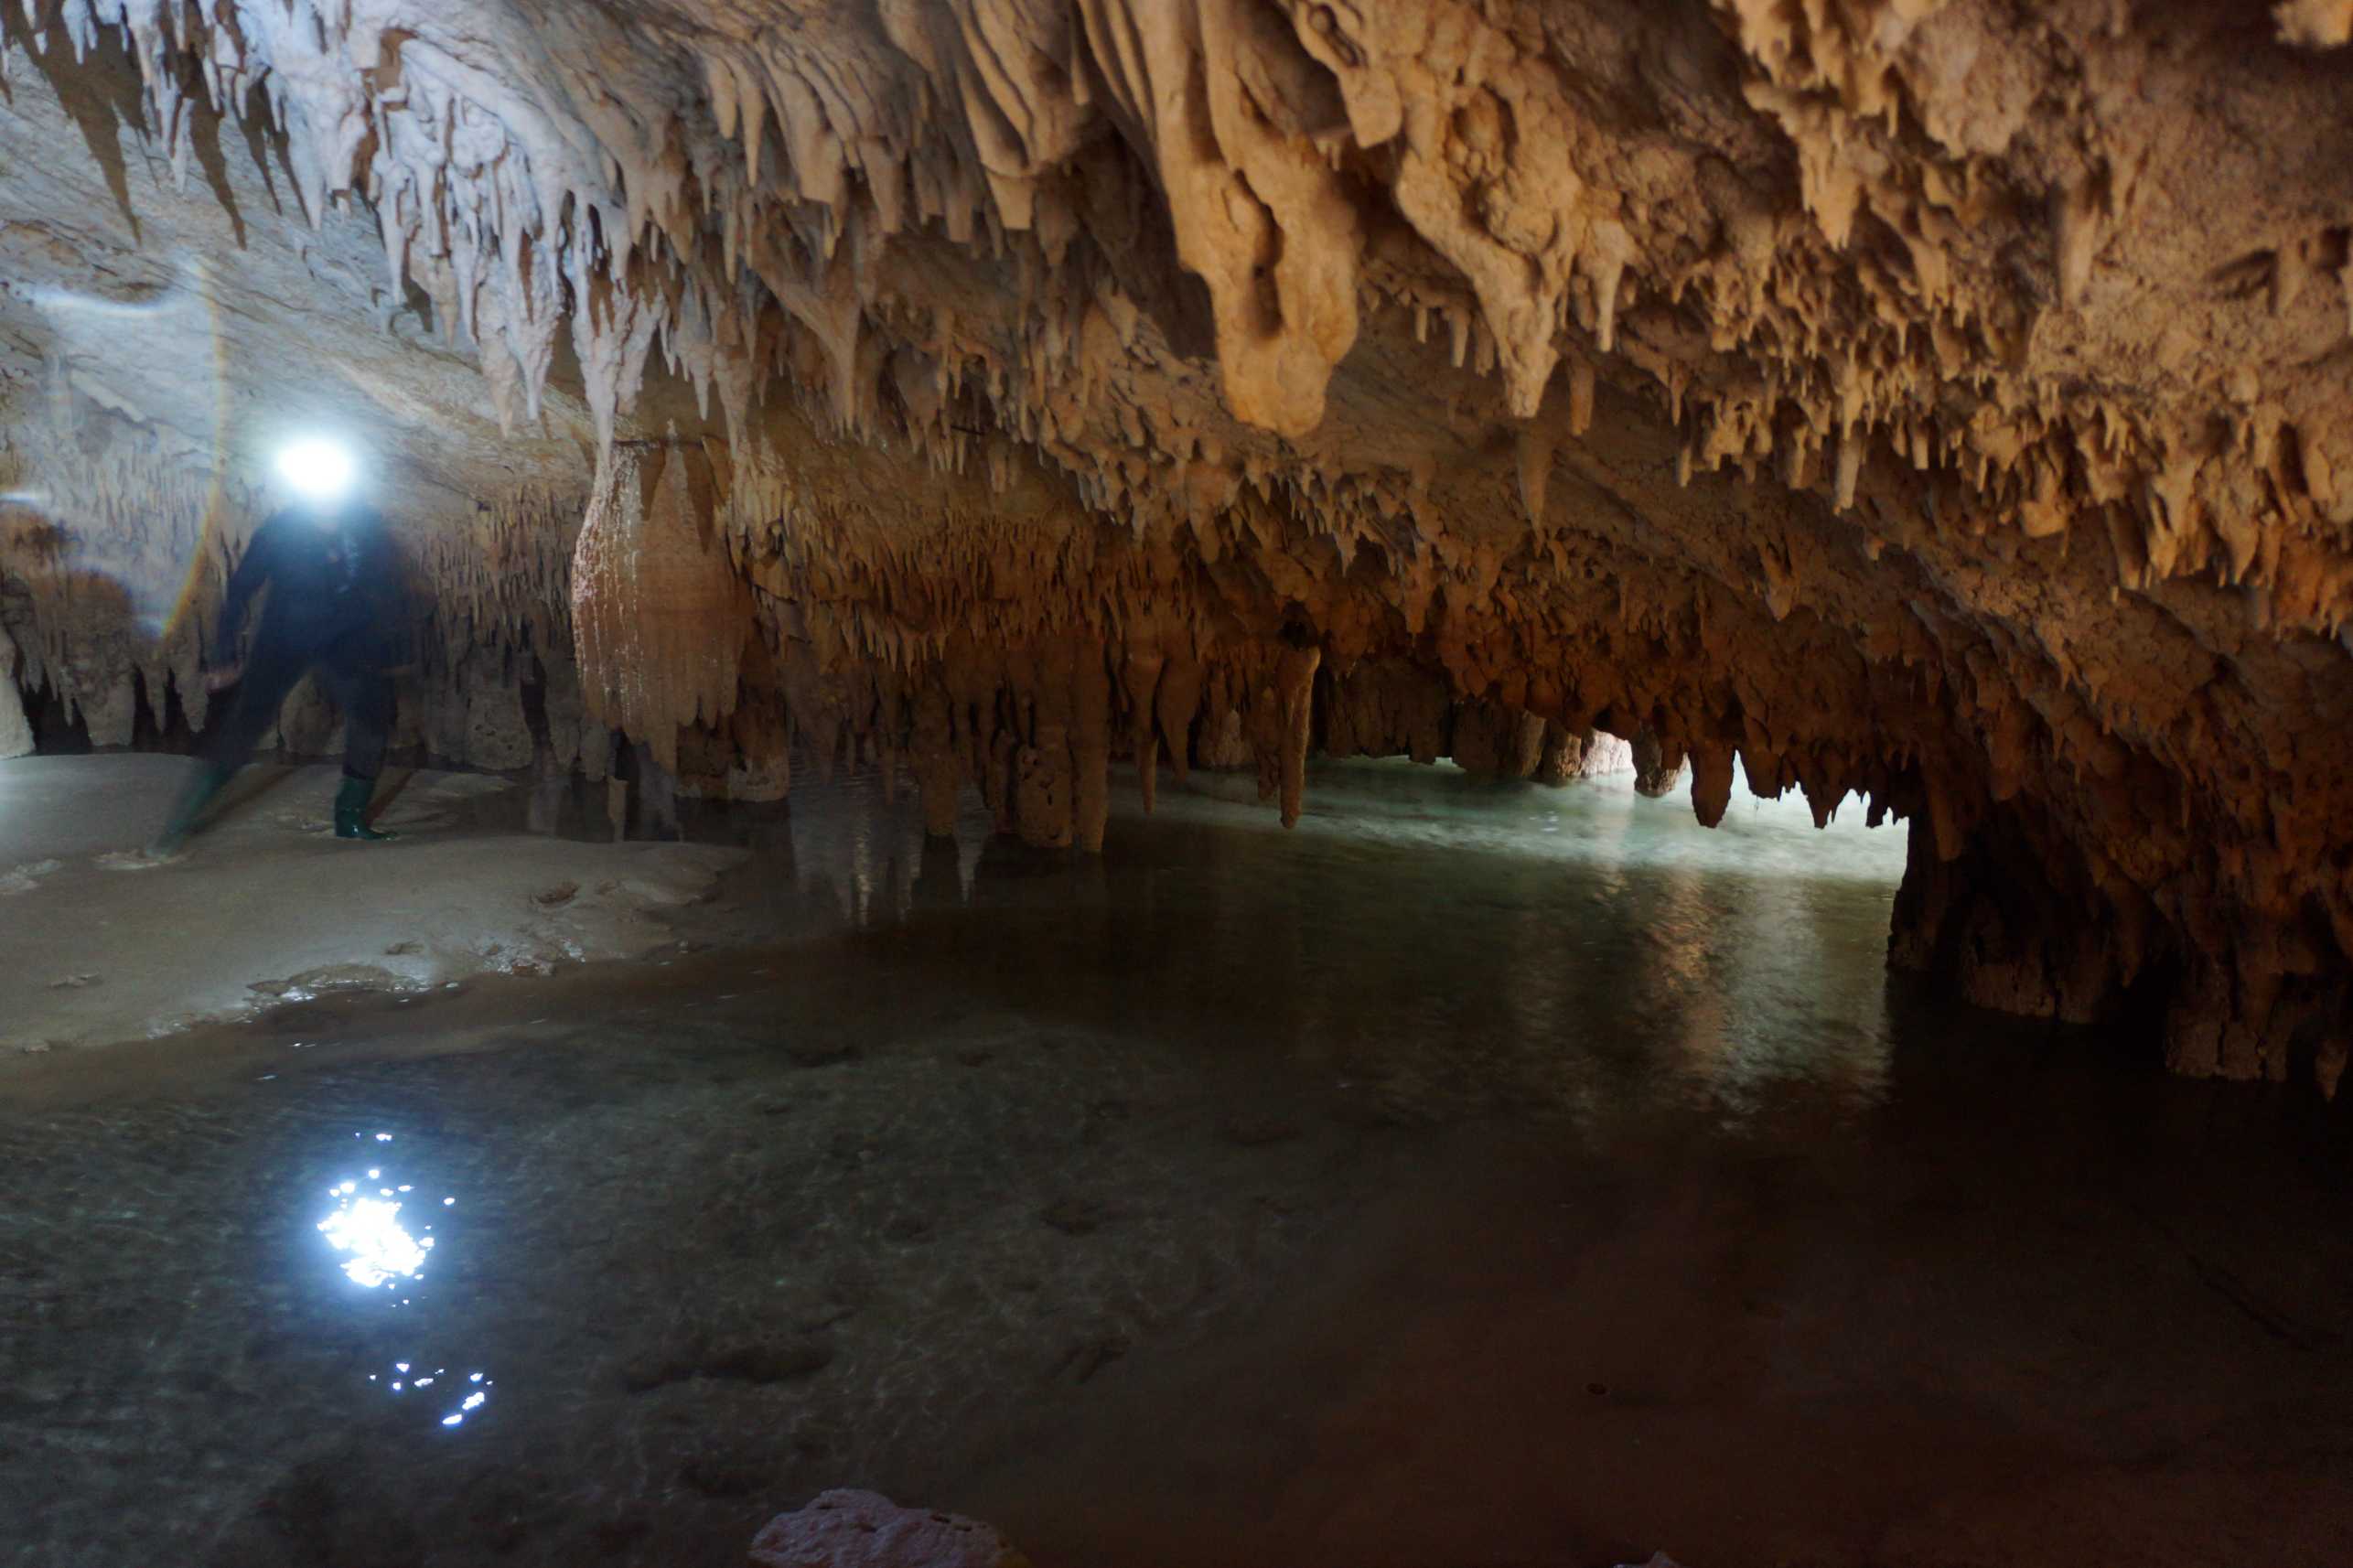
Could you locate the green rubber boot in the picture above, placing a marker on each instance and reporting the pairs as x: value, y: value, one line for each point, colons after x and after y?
x: 202, y: 786
x: 352, y: 812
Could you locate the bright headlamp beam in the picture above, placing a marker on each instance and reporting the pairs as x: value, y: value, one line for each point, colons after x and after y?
x: 317, y: 469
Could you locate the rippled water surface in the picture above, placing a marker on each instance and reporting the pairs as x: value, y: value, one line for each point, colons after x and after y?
x: 1475, y: 1175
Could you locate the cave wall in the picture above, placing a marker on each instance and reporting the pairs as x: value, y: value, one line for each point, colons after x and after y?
x: 1941, y: 403
x: 165, y: 323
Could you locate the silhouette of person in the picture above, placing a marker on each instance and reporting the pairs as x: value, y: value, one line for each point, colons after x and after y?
x: 336, y: 608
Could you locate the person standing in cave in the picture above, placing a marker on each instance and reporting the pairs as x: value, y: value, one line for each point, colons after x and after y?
x: 336, y: 608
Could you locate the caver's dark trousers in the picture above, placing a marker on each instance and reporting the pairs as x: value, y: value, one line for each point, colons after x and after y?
x: 363, y: 696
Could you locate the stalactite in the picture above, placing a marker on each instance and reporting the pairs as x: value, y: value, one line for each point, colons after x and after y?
x: 659, y: 617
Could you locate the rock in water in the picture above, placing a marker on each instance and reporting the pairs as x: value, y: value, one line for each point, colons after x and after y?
x: 846, y: 1528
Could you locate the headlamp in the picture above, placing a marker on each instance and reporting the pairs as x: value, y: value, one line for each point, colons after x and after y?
x: 317, y: 469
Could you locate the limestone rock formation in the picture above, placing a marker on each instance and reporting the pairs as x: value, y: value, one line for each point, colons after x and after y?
x: 1942, y: 402
x: 15, y: 731
x: 659, y: 615
x: 1658, y: 767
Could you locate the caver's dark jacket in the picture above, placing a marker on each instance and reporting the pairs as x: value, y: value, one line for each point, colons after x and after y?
x: 336, y: 593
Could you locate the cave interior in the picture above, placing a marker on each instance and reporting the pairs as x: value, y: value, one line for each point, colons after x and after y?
x: 1932, y: 417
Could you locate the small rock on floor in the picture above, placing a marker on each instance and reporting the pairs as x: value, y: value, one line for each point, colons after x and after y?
x: 846, y: 1528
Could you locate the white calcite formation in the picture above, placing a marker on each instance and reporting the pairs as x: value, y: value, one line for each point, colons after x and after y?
x: 1938, y: 401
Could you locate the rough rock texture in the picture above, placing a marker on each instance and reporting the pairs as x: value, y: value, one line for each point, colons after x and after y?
x: 844, y: 1528
x: 659, y: 617
x: 1941, y: 400
x: 16, y: 730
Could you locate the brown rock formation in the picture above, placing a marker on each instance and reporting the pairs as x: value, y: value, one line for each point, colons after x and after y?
x: 1658, y: 767
x: 659, y: 615
x: 1935, y: 400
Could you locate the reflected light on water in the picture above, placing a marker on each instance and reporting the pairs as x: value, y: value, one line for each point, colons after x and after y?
x: 368, y: 1228
x: 473, y: 1401
x: 476, y: 1396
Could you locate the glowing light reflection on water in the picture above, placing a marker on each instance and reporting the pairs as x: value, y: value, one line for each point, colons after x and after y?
x: 369, y: 1230
x: 368, y: 1227
x: 383, y: 1250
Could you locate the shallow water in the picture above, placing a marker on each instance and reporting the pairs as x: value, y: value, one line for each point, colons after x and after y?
x: 1475, y: 1175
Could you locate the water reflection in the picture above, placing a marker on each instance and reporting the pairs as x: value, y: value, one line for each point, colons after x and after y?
x: 472, y: 1400
x: 368, y: 1227
x: 383, y: 1250
x: 1579, y: 948
x: 1421, y: 1144
x: 1530, y: 947
x: 369, y: 1230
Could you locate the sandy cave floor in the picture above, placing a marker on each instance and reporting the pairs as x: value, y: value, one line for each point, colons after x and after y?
x: 267, y: 906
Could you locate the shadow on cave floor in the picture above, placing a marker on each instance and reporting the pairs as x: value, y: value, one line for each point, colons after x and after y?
x: 1420, y: 1188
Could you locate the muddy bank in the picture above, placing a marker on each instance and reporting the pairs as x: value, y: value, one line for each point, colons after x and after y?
x: 267, y: 907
